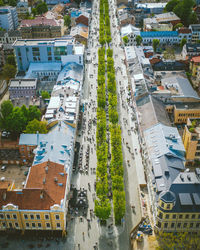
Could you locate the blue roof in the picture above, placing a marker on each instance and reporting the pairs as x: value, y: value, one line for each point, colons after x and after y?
x: 75, y: 14
x: 147, y: 34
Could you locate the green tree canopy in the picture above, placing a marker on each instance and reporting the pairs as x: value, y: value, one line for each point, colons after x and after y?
x: 45, y: 95
x: 138, y: 40
x: 5, y: 112
x: 67, y: 20
x: 33, y: 113
x: 35, y: 126
x: 125, y: 40
x: 170, y: 5
x: 11, y: 60
x: 102, y: 208
x: 12, y: 3
x: 156, y: 43
x: 183, y: 42
x: 9, y: 71
x: 41, y: 7
x: 178, y: 25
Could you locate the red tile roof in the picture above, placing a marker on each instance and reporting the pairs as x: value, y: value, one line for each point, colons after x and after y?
x: 195, y: 59
x: 38, y: 21
x: 42, y: 189
x: 184, y: 30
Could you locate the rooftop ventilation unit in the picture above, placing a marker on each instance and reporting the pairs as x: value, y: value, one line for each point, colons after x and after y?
x: 44, y: 181
x: 55, y: 179
x: 181, y: 176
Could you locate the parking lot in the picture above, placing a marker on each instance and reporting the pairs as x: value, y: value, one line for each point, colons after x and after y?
x: 14, y: 173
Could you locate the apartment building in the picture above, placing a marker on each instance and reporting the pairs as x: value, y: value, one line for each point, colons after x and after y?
x: 8, y: 18
x: 41, y: 204
x: 165, y: 37
x: 22, y: 88
x: 191, y: 140
x: 174, y: 191
x: 40, y: 27
x: 183, y: 111
x: 47, y: 50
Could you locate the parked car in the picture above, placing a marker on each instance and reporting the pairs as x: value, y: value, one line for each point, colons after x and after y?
x: 3, y: 168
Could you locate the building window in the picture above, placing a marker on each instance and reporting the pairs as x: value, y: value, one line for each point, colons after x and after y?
x: 187, y: 216
x: 57, y: 217
x: 193, y: 216
x: 162, y: 204
x: 32, y: 217
x: 16, y: 224
x: 160, y: 215
x: 159, y: 224
x: 33, y: 224
x: 167, y: 216
x: 37, y: 216
x: 48, y: 225
x: 180, y: 216
x: 58, y: 225
x: 1, y: 216
x: 174, y: 216
x: 27, y: 224
x: 10, y: 225
x: 39, y: 225
x: 168, y: 206
x: 46, y: 217
x: 165, y: 225
x: 172, y: 225
x: 8, y: 216
x: 197, y: 225
x: 185, y: 225
x: 179, y: 225
x: 25, y: 216
x: 14, y: 216
x: 191, y: 225
x: 4, y: 224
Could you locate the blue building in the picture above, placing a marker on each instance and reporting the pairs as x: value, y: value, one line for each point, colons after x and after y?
x: 8, y: 18
x: 165, y: 37
x: 151, y: 8
x: 59, y: 50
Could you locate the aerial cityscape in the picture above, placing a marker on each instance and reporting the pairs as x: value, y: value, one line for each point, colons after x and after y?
x: 100, y: 124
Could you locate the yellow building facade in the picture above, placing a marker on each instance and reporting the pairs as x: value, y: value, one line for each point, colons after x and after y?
x: 183, y: 112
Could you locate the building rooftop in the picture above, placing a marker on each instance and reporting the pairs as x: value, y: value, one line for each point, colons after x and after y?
x: 128, y: 29
x: 44, y: 42
x: 180, y: 85
x: 38, y: 21
x: 23, y: 83
x: 164, y: 140
x: 195, y: 59
x: 150, y: 5
x: 41, y: 192
x: 145, y: 34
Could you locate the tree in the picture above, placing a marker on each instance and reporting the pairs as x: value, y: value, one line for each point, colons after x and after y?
x: 41, y: 7
x: 1, y: 3
x: 11, y: 60
x: 17, y: 121
x: 138, y: 40
x: 169, y: 53
x: 5, y: 112
x: 9, y: 71
x: 183, y: 42
x: 125, y: 40
x: 67, y: 20
x: 102, y: 208
x: 34, y: 11
x: 33, y: 113
x: 12, y: 3
x: 45, y: 95
x: 156, y: 43
x: 35, y: 126
x: 183, y: 240
x: 119, y: 203
x: 170, y: 5
x: 178, y: 25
